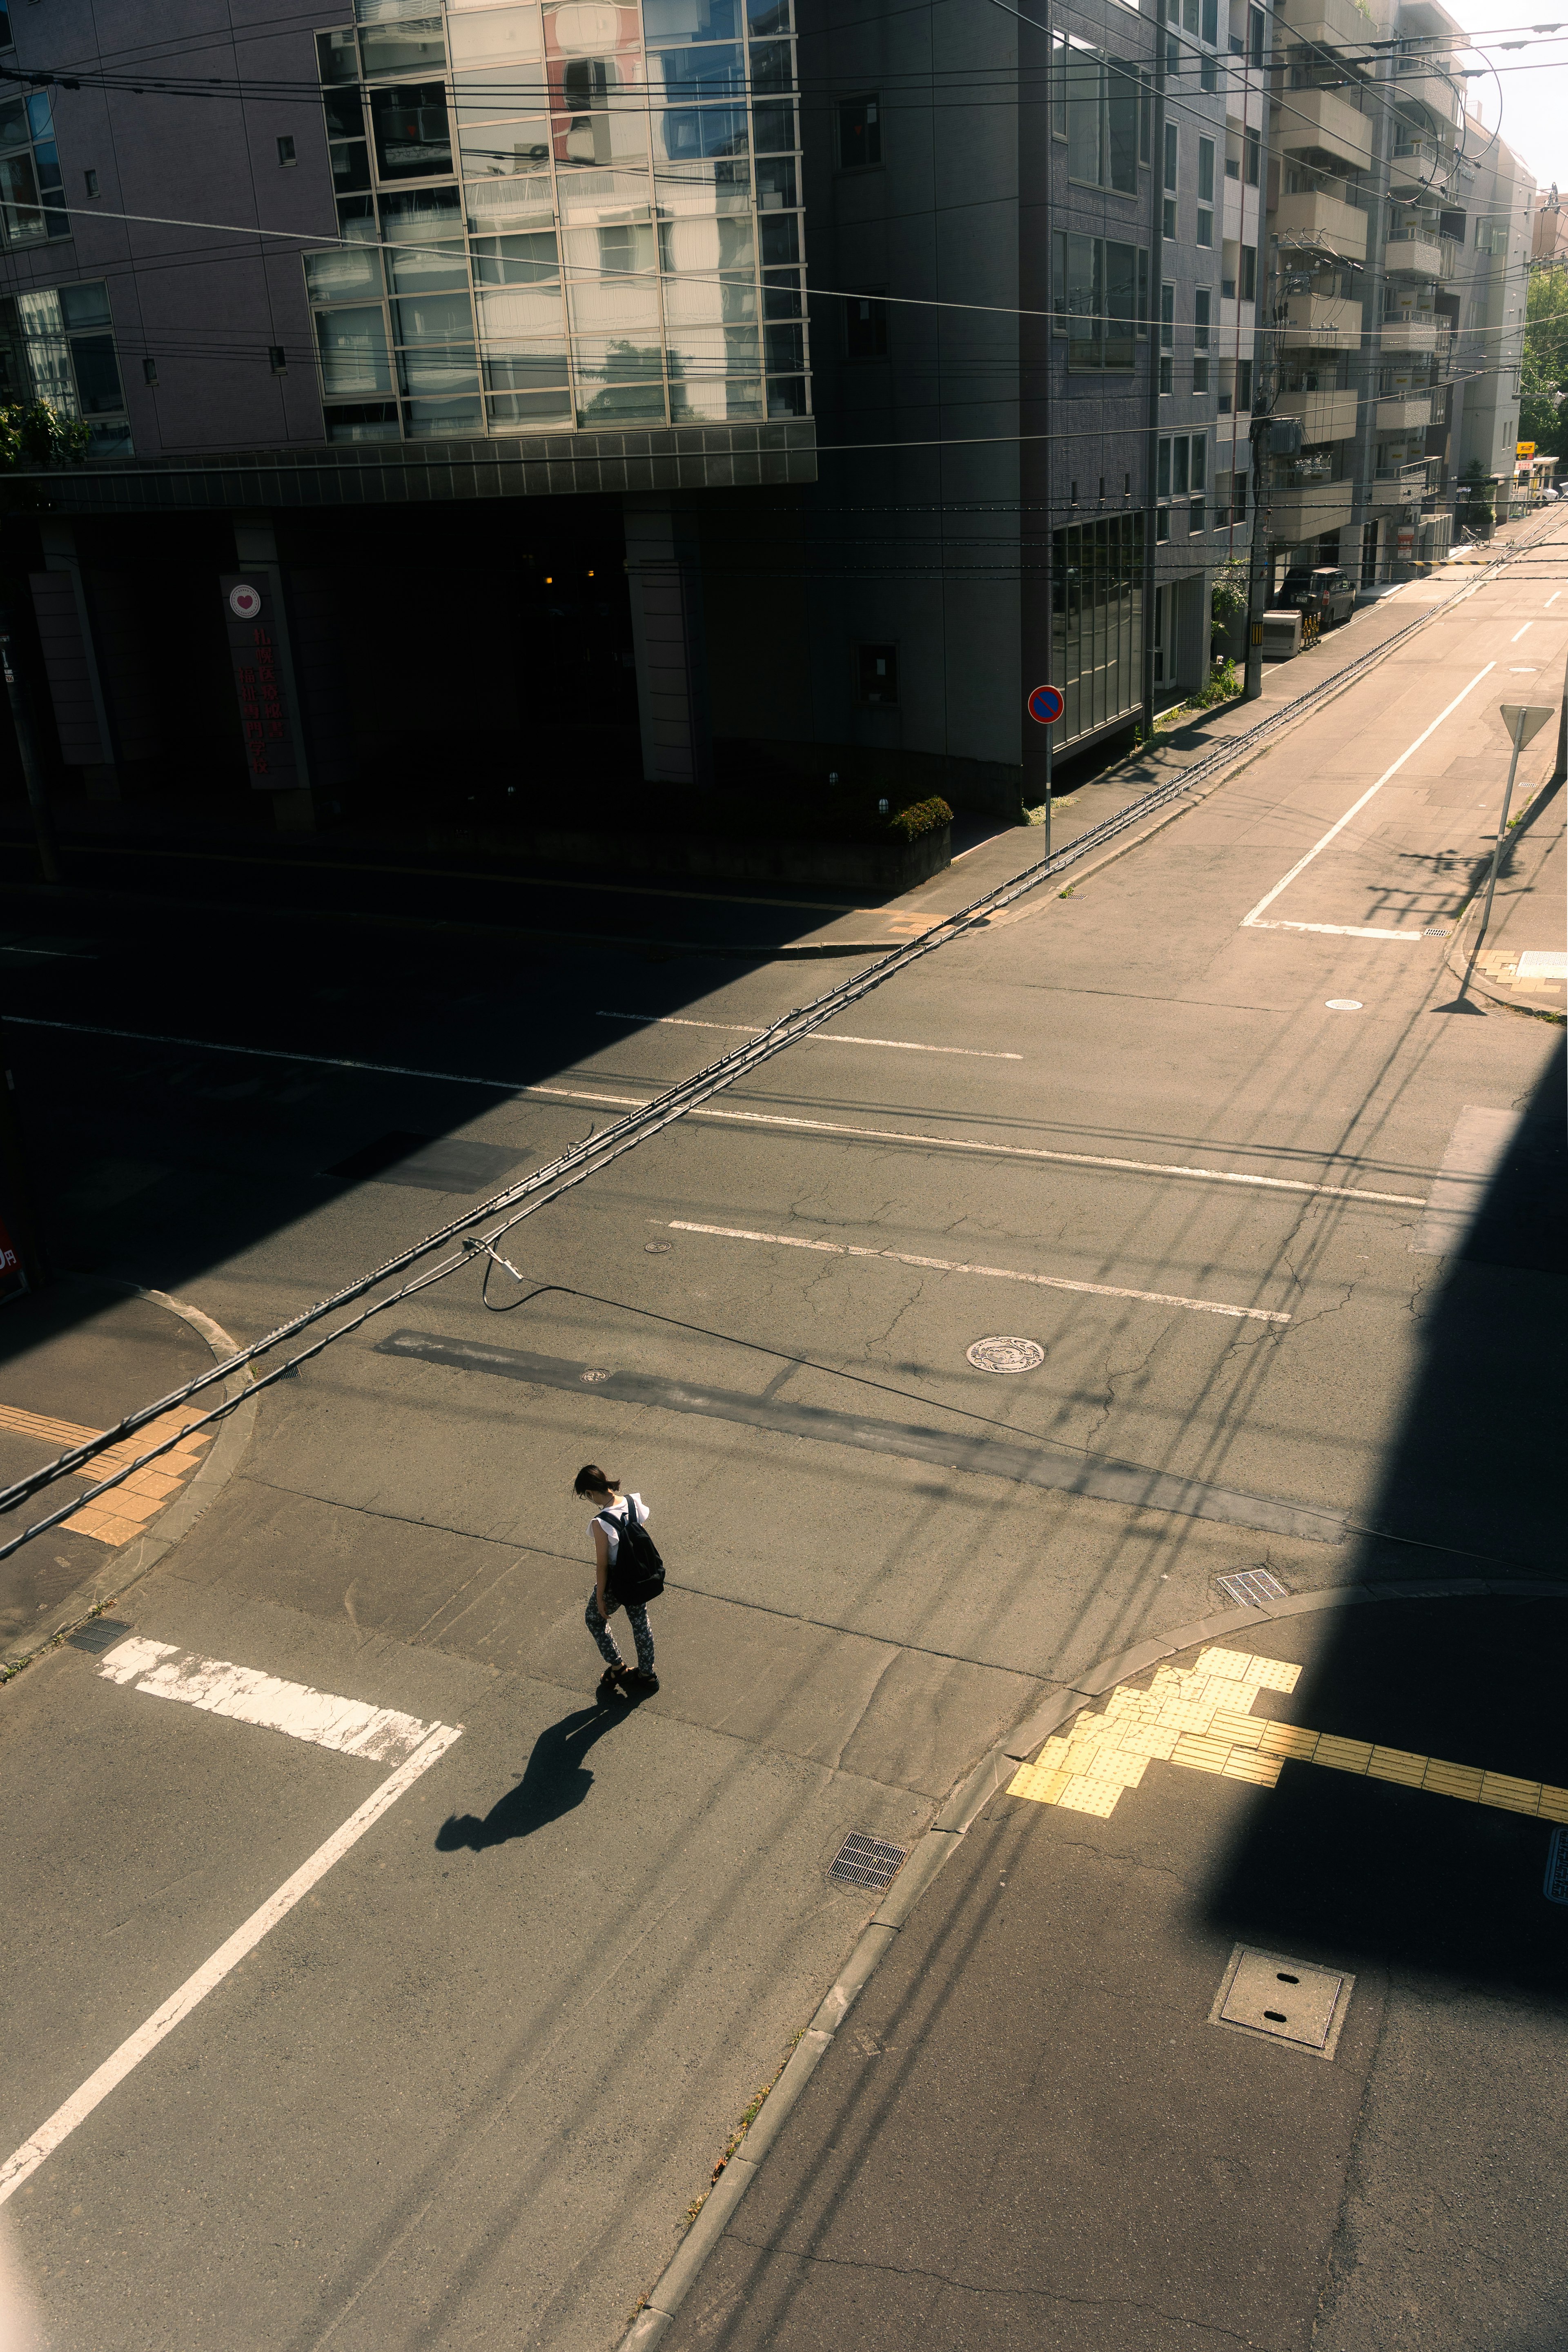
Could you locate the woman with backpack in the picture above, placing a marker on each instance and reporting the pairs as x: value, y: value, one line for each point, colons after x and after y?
x: 618, y: 1517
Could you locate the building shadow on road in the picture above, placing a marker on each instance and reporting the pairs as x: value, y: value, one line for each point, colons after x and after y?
x: 554, y: 1781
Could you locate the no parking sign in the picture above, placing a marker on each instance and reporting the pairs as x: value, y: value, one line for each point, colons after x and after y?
x: 1047, y: 705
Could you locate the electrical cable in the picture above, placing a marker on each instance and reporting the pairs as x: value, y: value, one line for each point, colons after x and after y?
x: 599, y: 1152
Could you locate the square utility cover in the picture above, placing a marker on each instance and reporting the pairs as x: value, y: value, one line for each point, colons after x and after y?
x: 1288, y: 2000
x: 434, y: 1164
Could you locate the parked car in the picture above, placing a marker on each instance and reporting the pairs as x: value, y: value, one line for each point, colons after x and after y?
x: 1324, y: 594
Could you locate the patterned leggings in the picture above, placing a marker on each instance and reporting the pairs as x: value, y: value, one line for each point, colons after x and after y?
x: 642, y: 1634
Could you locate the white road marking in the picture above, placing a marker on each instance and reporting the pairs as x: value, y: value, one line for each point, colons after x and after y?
x: 1552, y: 599
x: 756, y: 1117
x: 34, y: 2152
x: 1519, y: 633
x: 992, y: 1273
x: 351, y: 1726
x: 1252, y: 922
x: 817, y: 1037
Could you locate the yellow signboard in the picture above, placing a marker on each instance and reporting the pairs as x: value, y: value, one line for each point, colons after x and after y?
x: 1524, y: 448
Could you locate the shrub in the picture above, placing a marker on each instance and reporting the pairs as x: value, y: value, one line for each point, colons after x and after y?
x: 920, y: 818
x: 38, y: 435
x: 1222, y: 685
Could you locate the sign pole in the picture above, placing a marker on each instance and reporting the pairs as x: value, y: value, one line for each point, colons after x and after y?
x: 1524, y: 721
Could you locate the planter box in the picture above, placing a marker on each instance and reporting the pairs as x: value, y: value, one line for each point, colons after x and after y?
x: 884, y: 869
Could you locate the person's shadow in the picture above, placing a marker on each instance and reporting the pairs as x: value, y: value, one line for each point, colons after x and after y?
x: 554, y: 1781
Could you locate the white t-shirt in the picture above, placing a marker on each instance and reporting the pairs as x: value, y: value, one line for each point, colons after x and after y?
x: 606, y: 1520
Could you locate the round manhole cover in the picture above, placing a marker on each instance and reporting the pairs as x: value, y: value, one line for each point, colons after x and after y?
x: 1005, y: 1355
x: 658, y: 1249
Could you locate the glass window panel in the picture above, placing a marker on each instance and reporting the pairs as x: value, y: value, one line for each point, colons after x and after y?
x: 686, y: 75
x: 432, y: 319
x: 586, y: 29
x: 786, y: 349
x: 619, y: 404
x: 781, y: 296
x: 1170, y: 145
x: 337, y: 57
x: 424, y: 256
x: 1200, y: 461
x: 345, y: 113
x: 433, y: 368
x: 448, y: 417
x: 381, y: 12
x: 1121, y: 119
x: 780, y: 235
x: 787, y: 397
x: 1205, y: 171
x: 344, y: 277
x: 617, y: 359
x: 738, y: 399
x: 776, y: 190
x: 371, y: 420
x: 691, y: 20
x: 496, y: 36
x: 528, y: 260
x: 772, y: 66
x: 700, y: 246
x: 97, y: 383
x: 1179, y: 466
x: 533, y: 314
x: 412, y: 138
x: 1081, y: 74
x: 723, y: 185
x: 403, y: 49
x: 691, y: 304
x: 353, y: 346
x: 683, y: 134
x: 617, y: 137
x: 768, y: 17
x: 1121, y: 303
x: 604, y: 195
x: 351, y: 165
x: 109, y: 440
x: 499, y: 206
x: 1081, y: 305
x: 613, y: 248
x: 626, y: 306
x: 14, y: 131
x: 526, y: 412
x: 711, y: 350
x: 19, y: 199
x: 528, y: 370
x: 503, y: 150
x: 85, y: 305
x: 773, y: 128
x: 356, y: 220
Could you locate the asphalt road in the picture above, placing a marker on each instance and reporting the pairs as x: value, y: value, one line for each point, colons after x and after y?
x: 464, y: 2089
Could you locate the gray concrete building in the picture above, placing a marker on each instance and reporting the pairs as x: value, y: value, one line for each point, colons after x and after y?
x: 459, y: 422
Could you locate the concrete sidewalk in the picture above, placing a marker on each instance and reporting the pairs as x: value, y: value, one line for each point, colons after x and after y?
x: 1217, y: 2008
x: 74, y: 1357
x: 1521, y: 962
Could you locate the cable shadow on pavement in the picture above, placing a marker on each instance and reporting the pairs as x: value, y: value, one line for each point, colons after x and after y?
x: 554, y: 1782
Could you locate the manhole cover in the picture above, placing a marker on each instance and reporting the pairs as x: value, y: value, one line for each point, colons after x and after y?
x: 1342, y: 1003
x: 1005, y: 1355
x: 1283, y: 1999
x: 97, y: 1633
x: 657, y: 1249
x: 1252, y: 1588
x: 1555, y: 1886
x: 863, y: 1861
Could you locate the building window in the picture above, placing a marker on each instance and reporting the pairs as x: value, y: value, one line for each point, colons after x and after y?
x: 1101, y: 299
x: 1254, y: 140
x: 1202, y: 303
x: 864, y: 328
x: 1172, y: 149
x: 1206, y: 227
x: 1167, y: 336
x: 1205, y: 171
x: 30, y: 171
x: 1211, y: 23
x: 1243, y: 387
x: 1096, y: 644
x: 90, y: 182
x: 877, y: 673
x: 285, y: 150
x: 860, y: 133
x: 1256, y: 23
x: 57, y: 344
x: 1249, y: 273
x: 1208, y: 74
x: 1096, y: 105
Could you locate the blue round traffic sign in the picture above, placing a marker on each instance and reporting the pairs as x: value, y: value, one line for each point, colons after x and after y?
x: 1046, y: 704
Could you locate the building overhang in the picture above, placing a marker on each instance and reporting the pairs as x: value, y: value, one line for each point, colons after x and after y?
x: 362, y: 474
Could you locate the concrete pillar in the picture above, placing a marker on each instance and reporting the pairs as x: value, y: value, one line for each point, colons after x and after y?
x: 663, y: 573
x: 255, y: 554
x: 73, y: 662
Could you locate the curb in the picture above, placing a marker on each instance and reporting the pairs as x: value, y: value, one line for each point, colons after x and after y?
x: 126, y: 1569
x: 942, y: 1841
x: 1457, y: 949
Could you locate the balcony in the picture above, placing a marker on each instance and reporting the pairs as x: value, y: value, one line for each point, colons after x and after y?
x: 1325, y: 415
x: 1434, y: 91
x: 1409, y: 335
x: 1311, y: 218
x: 1293, y: 516
x: 1406, y: 256
x: 1330, y: 24
x: 1316, y: 119
x: 1415, y: 167
x: 1400, y: 486
x: 1323, y: 322
x: 1405, y: 413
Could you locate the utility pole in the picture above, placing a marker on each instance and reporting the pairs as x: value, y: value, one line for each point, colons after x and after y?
x: 28, y: 752
x: 1252, y: 684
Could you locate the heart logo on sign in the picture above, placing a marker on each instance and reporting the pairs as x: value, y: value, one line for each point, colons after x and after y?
x: 245, y: 600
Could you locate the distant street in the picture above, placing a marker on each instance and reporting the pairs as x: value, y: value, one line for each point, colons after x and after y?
x: 1179, y: 1129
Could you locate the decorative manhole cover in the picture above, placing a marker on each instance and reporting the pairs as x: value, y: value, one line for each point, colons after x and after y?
x: 1283, y: 1999
x: 657, y: 1249
x: 1005, y: 1355
x: 863, y: 1861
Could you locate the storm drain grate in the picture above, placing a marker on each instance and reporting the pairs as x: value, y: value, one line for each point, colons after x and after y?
x: 868, y: 1861
x: 1435, y: 931
x: 97, y: 1633
x: 1254, y: 1588
x: 1555, y: 1885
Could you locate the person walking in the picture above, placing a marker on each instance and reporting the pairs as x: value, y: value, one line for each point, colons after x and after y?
x: 612, y: 1512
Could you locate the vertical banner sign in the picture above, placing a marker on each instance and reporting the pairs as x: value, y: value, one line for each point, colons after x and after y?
x: 13, y: 1281
x: 249, y: 607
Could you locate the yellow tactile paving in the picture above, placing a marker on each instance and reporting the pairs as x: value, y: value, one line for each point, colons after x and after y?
x: 1199, y: 1717
x: 125, y: 1510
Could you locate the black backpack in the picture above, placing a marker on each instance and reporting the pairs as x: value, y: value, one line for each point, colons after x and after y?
x: 637, y: 1576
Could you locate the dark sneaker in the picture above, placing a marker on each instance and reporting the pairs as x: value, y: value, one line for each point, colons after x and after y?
x: 639, y: 1683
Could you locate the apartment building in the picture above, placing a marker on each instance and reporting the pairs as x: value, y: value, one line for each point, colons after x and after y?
x: 459, y: 415
x: 1549, y: 227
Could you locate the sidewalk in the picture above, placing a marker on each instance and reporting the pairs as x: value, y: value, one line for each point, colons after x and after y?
x: 1523, y: 962
x: 1216, y: 2009
x: 73, y: 1359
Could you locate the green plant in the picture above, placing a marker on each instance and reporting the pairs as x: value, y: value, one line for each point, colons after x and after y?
x: 1230, y: 594
x: 37, y: 434
x: 920, y: 818
x: 1223, y: 684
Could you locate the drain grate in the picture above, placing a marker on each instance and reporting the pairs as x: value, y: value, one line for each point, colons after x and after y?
x: 1555, y: 1885
x: 869, y: 1862
x: 97, y: 1633
x: 1254, y: 1588
x: 1283, y: 1999
x: 1435, y: 931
